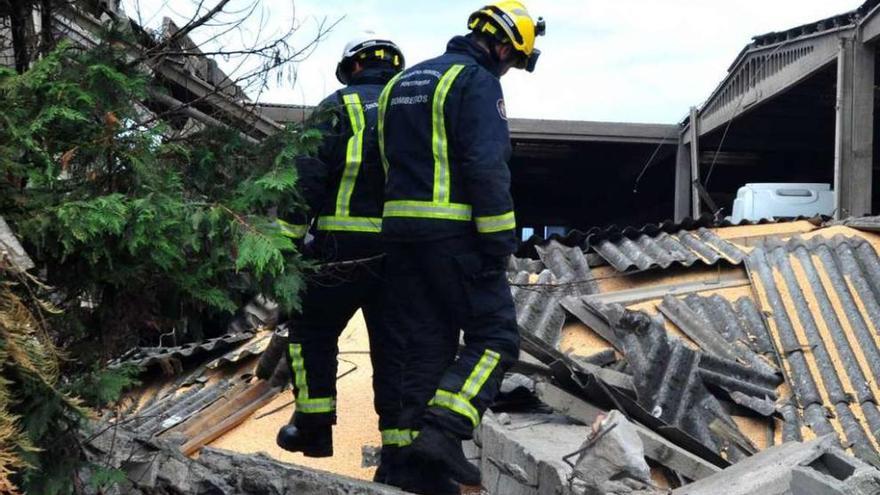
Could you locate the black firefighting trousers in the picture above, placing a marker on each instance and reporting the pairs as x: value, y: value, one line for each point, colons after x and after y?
x: 332, y: 297
x: 436, y: 289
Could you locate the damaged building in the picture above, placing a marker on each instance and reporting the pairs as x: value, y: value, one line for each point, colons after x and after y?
x: 686, y: 356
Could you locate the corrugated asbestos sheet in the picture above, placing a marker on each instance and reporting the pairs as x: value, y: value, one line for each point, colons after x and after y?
x: 565, y: 272
x: 670, y: 380
x: 663, y: 250
x: 822, y: 301
x: 870, y: 224
x: 586, y: 239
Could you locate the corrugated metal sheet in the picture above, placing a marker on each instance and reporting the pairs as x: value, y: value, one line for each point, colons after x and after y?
x: 663, y: 250
x: 254, y: 347
x: 176, y: 408
x: 822, y: 301
x: 147, y: 356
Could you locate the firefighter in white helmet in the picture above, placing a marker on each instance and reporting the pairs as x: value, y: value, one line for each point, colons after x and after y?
x: 343, y: 189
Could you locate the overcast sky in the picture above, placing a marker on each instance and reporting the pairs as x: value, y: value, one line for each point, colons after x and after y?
x: 606, y: 60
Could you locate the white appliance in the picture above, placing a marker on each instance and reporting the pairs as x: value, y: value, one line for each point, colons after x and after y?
x: 767, y: 201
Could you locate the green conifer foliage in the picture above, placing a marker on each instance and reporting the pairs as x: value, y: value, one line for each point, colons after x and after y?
x: 139, y: 232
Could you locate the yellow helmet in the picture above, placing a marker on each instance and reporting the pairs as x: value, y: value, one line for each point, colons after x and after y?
x: 510, y: 22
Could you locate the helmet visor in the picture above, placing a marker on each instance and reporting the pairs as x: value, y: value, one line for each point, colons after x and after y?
x: 528, y: 62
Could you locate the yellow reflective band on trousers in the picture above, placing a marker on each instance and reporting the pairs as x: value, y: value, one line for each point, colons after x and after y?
x: 351, y: 224
x: 439, y: 143
x: 383, y: 106
x: 398, y: 437
x: 497, y: 223
x: 291, y: 230
x: 304, y: 403
x: 427, y: 209
x: 460, y: 402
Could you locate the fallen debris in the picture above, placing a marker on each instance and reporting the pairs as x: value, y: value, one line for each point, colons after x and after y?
x: 818, y: 467
x: 612, y: 460
x: 159, y: 468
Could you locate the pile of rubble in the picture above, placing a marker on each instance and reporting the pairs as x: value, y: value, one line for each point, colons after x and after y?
x: 670, y: 359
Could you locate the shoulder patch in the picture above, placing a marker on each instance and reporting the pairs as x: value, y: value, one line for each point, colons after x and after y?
x: 502, y: 110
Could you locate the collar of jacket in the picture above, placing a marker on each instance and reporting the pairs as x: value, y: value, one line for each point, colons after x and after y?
x: 467, y: 46
x: 372, y: 75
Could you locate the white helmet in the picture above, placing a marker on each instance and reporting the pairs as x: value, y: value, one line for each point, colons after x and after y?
x: 368, y: 46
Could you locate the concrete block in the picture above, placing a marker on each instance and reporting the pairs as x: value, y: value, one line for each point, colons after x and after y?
x: 524, y: 457
x: 613, y: 459
x: 794, y: 468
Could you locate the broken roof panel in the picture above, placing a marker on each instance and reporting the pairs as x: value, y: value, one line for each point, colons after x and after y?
x: 663, y: 250
x: 822, y: 301
x: 538, y: 297
x: 147, y: 356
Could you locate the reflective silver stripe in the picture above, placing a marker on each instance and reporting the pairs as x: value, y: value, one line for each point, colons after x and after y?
x: 350, y: 224
x: 427, y: 209
x: 440, y: 144
x: 353, y: 154
x: 497, y: 223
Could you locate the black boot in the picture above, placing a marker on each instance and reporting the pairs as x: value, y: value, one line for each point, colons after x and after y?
x: 439, y: 447
x: 316, y: 441
x: 387, y: 460
x: 415, y: 474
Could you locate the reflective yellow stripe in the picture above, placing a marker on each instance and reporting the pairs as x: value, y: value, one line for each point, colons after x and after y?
x: 398, y: 438
x: 304, y: 403
x: 480, y: 374
x: 291, y: 230
x: 439, y: 141
x: 457, y: 404
x: 427, y: 209
x: 498, y: 223
x: 353, y: 155
x: 316, y: 406
x: 350, y: 224
x: 383, y: 106
x: 461, y: 402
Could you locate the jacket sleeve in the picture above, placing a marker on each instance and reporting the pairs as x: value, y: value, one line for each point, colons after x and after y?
x: 315, y: 173
x: 482, y: 147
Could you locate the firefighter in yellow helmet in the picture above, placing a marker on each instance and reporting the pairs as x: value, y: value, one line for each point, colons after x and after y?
x: 449, y: 227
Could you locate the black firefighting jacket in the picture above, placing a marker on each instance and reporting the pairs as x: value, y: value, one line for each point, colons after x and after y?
x: 343, y: 185
x: 445, y: 143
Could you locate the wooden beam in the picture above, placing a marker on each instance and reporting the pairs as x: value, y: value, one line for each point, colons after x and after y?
x: 854, y: 139
x: 657, y: 448
x: 682, y: 182
x: 695, y: 161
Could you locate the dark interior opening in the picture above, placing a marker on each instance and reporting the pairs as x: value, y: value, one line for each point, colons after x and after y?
x: 788, y: 139
x: 579, y: 185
